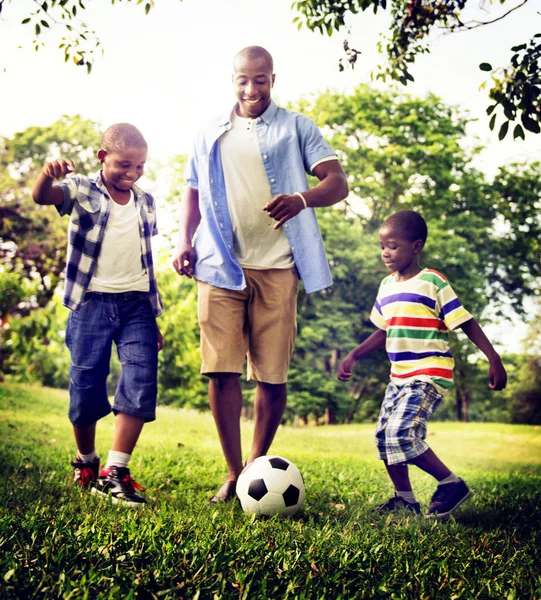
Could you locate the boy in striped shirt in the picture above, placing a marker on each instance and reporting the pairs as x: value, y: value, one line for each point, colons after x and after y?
x: 414, y: 311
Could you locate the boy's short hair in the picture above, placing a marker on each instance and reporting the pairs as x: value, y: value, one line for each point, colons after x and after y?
x: 121, y: 136
x: 409, y: 223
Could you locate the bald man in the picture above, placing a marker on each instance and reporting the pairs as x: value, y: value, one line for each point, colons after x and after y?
x: 257, y: 234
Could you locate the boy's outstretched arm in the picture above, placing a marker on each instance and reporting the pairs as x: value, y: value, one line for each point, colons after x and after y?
x: 497, y: 377
x: 44, y: 191
x: 375, y: 342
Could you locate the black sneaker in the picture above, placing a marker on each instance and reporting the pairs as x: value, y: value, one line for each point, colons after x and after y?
x: 398, y: 503
x: 447, y: 498
x: 85, y: 473
x: 118, y: 483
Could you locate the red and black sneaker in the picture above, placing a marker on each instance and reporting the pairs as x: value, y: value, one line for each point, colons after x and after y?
x: 85, y: 473
x: 118, y: 483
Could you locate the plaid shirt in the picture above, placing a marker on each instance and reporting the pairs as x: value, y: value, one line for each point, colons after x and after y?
x: 88, y: 203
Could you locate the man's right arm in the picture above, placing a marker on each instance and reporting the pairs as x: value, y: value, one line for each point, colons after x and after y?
x: 190, y: 217
x: 44, y: 192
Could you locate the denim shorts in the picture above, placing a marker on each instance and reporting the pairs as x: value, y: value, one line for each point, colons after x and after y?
x: 401, y: 428
x: 128, y: 320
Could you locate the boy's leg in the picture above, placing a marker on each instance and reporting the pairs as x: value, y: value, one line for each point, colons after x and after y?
x: 89, y: 339
x: 431, y: 464
x: 135, y: 398
x: 451, y: 491
x: 85, y: 438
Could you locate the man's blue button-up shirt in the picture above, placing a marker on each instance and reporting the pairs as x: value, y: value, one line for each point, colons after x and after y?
x: 290, y: 143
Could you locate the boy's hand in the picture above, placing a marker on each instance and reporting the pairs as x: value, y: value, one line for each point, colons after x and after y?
x: 185, y: 260
x: 284, y: 207
x: 497, y: 376
x: 58, y: 169
x: 345, y: 368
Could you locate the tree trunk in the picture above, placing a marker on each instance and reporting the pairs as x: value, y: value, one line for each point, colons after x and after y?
x: 330, y: 417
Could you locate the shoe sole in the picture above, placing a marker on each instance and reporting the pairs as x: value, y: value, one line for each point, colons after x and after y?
x: 117, y: 500
x: 436, y: 515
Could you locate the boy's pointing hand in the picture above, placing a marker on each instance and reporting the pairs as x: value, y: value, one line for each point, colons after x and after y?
x: 58, y: 169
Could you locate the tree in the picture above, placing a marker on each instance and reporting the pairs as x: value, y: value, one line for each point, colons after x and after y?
x: 32, y: 237
x: 515, y: 89
x: 79, y: 43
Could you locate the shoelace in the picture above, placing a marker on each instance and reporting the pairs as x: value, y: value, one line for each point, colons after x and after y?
x: 132, y: 484
x: 86, y: 476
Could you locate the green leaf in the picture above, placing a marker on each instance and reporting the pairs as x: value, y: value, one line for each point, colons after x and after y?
x: 491, y: 109
x: 485, y: 66
x: 503, y: 131
x: 492, y: 122
x: 25, y: 21
x: 518, y: 132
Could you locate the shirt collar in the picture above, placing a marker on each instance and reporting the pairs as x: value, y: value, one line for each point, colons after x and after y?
x: 98, y: 182
x: 267, y: 116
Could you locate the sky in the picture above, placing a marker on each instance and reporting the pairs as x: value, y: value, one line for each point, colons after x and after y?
x: 170, y: 71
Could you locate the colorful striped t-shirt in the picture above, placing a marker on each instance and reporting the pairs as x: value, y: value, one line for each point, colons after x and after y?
x: 417, y: 315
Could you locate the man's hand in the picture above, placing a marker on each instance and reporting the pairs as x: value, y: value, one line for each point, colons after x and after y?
x: 284, y: 207
x: 185, y: 260
x: 160, y: 338
x: 497, y: 376
x: 58, y: 169
x: 345, y: 368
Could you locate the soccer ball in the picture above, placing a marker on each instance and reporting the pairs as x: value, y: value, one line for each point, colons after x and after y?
x: 271, y: 485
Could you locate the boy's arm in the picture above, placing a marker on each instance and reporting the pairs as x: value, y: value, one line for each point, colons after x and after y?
x: 44, y: 192
x: 375, y: 342
x: 190, y: 217
x: 497, y: 377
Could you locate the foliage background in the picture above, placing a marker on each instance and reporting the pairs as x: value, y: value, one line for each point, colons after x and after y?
x: 399, y: 152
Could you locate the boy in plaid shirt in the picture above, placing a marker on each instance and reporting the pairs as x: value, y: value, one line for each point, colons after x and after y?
x: 111, y: 290
x: 414, y: 310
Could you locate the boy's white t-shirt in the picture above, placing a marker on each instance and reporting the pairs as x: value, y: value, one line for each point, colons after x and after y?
x: 119, y: 267
x: 257, y: 245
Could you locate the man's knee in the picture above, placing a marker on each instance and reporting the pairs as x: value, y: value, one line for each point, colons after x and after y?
x: 222, y: 381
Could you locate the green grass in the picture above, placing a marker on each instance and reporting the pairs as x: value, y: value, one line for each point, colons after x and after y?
x: 58, y: 542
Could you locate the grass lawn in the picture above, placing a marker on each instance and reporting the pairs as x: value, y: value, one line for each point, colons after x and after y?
x: 59, y: 542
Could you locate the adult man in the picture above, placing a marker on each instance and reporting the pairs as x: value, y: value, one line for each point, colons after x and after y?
x: 249, y: 197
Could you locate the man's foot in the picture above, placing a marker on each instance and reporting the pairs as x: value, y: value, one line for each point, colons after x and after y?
x: 227, y: 492
x: 447, y: 498
x: 85, y: 473
x: 398, y: 503
x: 118, y: 483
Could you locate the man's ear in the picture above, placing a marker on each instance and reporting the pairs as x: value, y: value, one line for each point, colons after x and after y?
x: 101, y: 155
x: 418, y: 245
x: 273, y: 79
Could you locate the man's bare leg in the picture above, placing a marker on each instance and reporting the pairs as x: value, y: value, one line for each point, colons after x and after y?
x: 270, y: 403
x: 225, y: 397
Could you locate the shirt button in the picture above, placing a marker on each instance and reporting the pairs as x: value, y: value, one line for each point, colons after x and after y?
x: 286, y: 225
x: 265, y: 156
x: 273, y: 180
x: 292, y: 248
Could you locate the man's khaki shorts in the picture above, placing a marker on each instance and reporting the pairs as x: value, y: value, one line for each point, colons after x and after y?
x: 259, y: 322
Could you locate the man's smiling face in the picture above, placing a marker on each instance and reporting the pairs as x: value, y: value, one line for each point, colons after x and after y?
x: 253, y: 80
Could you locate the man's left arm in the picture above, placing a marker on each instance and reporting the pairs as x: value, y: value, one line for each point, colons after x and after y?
x: 332, y: 188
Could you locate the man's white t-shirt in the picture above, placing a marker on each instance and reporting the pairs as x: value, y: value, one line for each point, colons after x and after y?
x: 119, y: 267
x: 257, y: 245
